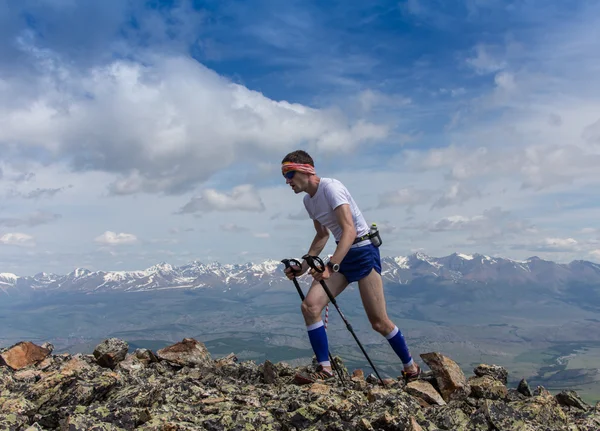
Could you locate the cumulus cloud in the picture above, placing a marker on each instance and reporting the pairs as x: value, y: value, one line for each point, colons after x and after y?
x: 456, y: 194
x: 159, y: 123
x: 113, y: 238
x: 535, y: 166
x: 494, y: 223
x: 18, y: 239
x: 486, y: 59
x: 34, y: 219
x: 407, y: 196
x: 241, y: 198
x: 562, y: 243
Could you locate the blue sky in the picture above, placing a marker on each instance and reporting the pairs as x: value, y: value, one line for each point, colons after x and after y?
x: 136, y: 132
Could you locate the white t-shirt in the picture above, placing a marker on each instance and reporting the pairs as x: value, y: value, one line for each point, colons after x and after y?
x: 330, y: 194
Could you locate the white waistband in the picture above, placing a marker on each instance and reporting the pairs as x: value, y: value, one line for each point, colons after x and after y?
x: 361, y: 244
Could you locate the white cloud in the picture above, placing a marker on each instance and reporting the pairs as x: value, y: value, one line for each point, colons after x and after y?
x: 241, y: 198
x: 112, y: 238
x: 262, y: 235
x: 407, y: 196
x: 562, y: 243
x: 456, y: 194
x: 161, y: 124
x: 16, y: 238
x: 485, y: 61
x: 595, y: 253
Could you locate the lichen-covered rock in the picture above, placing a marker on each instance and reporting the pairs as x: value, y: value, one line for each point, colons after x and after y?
x: 425, y: 391
x: 110, y: 352
x: 449, y: 417
x: 571, y: 399
x: 523, y: 388
x: 531, y: 415
x: 487, y: 387
x: 450, y: 379
x: 269, y: 372
x: 12, y: 421
x: 73, y: 392
x: 495, y: 371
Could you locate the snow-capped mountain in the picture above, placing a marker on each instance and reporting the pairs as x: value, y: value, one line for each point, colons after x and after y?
x: 455, y: 268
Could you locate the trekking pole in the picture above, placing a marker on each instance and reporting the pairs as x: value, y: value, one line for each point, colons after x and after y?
x: 287, y: 263
x: 320, y: 267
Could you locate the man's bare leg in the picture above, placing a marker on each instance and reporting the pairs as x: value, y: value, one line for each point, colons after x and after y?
x: 312, y: 308
x: 371, y: 293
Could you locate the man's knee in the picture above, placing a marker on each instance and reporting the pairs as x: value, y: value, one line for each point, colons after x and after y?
x: 310, y: 309
x: 383, y: 326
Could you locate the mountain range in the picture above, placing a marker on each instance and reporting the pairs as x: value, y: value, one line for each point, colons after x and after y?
x: 456, y: 268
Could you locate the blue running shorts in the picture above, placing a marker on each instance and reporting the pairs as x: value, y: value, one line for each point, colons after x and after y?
x: 359, y: 261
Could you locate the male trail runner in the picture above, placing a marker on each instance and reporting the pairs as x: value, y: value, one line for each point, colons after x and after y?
x: 331, y: 207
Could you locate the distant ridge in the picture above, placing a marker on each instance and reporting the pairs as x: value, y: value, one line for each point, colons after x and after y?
x: 454, y: 268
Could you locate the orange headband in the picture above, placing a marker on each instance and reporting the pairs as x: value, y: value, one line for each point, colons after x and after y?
x: 300, y: 167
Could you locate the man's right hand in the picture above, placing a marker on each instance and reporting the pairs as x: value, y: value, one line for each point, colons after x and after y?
x: 294, y: 271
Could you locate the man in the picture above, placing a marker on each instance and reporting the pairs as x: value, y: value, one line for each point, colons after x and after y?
x: 332, y: 208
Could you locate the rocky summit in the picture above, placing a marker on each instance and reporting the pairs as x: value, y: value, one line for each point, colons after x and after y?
x: 181, y: 387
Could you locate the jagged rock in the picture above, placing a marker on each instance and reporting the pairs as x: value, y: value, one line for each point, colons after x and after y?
x: 524, y: 389
x: 449, y: 417
x: 188, y: 352
x: 514, y: 395
x: 137, y: 360
x: 495, y: 371
x: 13, y: 421
x: 83, y: 422
x: 571, y: 399
x: 75, y: 393
x: 487, y: 387
x: 540, y: 390
x: 130, y: 364
x: 110, y: 352
x: 537, y: 411
x: 23, y: 354
x: 29, y: 375
x: 146, y: 356
x: 450, y: 379
x: 425, y: 391
x: 269, y: 372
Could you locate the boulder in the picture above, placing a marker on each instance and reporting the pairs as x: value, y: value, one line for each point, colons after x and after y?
x: 570, y: 398
x: 23, y: 354
x: 523, y: 388
x: 186, y: 353
x: 487, y: 387
x: 110, y: 352
x: 495, y: 371
x: 450, y: 379
x: 269, y: 372
x: 425, y: 391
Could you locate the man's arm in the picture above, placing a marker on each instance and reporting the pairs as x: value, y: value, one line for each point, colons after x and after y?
x: 320, y: 240
x: 344, y: 218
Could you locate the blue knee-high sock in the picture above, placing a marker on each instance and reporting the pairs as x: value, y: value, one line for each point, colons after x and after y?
x: 396, y: 340
x: 318, y: 341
